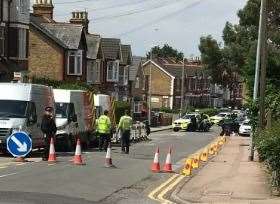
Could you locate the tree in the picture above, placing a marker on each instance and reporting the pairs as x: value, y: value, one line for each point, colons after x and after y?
x: 166, y: 51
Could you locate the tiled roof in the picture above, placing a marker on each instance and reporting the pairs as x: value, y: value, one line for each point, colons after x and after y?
x: 126, y: 54
x: 111, y: 48
x: 133, y: 69
x: 66, y: 35
x: 93, y: 44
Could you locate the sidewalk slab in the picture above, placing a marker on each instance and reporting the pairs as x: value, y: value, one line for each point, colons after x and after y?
x: 229, y: 178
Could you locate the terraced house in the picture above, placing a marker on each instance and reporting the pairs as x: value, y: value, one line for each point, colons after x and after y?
x: 14, y: 29
x: 58, y: 51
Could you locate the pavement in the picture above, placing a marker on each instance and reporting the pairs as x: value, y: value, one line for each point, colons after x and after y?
x: 38, y: 182
x: 228, y: 178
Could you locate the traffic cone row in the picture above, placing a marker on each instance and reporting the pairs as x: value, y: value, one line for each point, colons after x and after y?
x: 167, y: 168
x: 193, y: 162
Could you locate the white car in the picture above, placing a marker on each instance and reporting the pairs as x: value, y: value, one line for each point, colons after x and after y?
x: 245, y: 128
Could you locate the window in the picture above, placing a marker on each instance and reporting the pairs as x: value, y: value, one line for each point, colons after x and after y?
x: 137, y: 83
x: 137, y: 107
x: 113, y: 71
x: 22, y: 43
x: 93, y: 72
x: 2, y: 41
x: 75, y: 62
x: 125, y: 79
x: 23, y: 6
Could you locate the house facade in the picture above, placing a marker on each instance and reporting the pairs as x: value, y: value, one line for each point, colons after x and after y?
x: 57, y: 51
x: 166, y: 84
x: 14, y: 30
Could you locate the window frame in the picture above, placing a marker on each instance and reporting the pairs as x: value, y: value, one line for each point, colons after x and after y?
x: 115, y: 71
x: 76, y: 54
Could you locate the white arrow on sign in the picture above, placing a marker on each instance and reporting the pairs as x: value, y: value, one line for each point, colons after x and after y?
x: 22, y: 147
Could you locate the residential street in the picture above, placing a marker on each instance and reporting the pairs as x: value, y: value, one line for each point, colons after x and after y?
x: 129, y: 182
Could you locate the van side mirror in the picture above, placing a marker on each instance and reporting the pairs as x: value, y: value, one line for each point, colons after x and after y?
x: 32, y: 119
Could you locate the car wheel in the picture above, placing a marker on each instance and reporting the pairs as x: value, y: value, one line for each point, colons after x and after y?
x: 175, y: 129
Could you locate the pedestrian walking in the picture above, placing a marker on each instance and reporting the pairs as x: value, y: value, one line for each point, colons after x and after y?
x: 104, y: 131
x: 49, y: 129
x: 124, y: 126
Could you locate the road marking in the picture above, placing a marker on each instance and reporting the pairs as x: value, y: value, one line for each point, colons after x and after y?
x: 168, y: 188
x: 5, y: 175
x: 3, y: 167
x: 158, y: 189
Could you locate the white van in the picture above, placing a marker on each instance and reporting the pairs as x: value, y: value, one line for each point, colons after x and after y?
x: 74, y: 117
x: 22, y: 107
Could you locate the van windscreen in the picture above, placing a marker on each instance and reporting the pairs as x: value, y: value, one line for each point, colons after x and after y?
x: 61, y: 110
x: 13, y: 109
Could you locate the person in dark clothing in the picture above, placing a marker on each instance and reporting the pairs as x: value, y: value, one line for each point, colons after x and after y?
x: 194, y: 123
x: 49, y: 129
x: 147, y: 128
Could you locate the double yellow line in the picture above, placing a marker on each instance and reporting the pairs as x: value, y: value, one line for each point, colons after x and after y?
x: 159, y: 193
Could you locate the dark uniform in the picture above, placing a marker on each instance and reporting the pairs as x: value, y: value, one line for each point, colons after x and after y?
x: 49, y: 129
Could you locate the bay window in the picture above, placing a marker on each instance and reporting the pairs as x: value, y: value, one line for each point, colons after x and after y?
x: 112, y: 71
x: 75, y: 62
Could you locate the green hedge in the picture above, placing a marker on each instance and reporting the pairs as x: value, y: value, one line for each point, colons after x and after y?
x: 267, y: 144
x: 63, y: 84
x: 120, y: 107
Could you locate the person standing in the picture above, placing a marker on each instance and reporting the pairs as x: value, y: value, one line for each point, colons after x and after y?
x: 124, y: 126
x: 104, y: 130
x: 48, y: 127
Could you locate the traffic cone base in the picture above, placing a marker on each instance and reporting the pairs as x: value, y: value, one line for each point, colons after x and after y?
x: 52, y: 155
x: 155, y: 167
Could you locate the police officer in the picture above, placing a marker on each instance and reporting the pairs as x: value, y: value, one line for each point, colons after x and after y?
x: 49, y: 129
x: 125, y: 126
x: 104, y: 130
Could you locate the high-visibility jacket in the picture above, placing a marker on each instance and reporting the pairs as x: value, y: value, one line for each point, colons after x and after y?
x: 125, y: 123
x: 104, y: 124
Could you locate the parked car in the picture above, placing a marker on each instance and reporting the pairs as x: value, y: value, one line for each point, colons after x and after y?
x: 245, y: 128
x: 192, y: 122
x: 216, y: 119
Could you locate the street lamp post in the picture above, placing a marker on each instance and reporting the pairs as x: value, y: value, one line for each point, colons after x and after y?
x: 261, y: 63
x: 183, y: 88
x: 150, y: 90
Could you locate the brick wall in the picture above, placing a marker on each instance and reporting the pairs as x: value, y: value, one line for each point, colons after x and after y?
x: 46, y: 59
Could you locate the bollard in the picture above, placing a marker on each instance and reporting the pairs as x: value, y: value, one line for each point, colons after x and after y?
x: 195, y: 163
x: 187, y: 170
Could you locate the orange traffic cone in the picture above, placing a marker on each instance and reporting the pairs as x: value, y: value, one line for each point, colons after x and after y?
x: 108, y: 159
x: 155, y: 166
x: 52, y: 155
x: 78, y: 154
x: 168, y: 166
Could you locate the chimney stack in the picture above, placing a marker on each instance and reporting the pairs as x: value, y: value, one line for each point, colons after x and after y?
x: 81, y: 18
x: 43, y: 8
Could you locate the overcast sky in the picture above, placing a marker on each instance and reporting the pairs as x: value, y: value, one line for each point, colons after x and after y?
x: 146, y: 23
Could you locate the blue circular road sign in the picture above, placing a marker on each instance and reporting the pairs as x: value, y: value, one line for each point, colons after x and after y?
x: 19, y: 144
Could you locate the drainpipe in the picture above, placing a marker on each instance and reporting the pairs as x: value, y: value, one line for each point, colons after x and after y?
x: 8, y: 28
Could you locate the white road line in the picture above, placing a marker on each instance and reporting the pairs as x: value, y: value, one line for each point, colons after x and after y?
x: 5, y: 175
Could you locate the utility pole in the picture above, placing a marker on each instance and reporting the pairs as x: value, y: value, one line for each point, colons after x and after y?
x: 261, y: 60
x: 150, y: 90
x: 183, y: 88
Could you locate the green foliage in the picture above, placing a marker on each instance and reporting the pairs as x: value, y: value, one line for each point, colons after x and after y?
x: 209, y: 111
x: 267, y: 143
x: 168, y: 110
x: 63, y: 84
x: 120, y: 107
x: 166, y: 51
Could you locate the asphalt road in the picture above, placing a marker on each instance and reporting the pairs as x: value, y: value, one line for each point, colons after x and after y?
x: 130, y: 182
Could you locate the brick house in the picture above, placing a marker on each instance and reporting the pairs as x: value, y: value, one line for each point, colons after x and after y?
x: 111, y: 56
x: 166, y: 84
x: 57, y: 51
x: 14, y: 27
